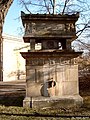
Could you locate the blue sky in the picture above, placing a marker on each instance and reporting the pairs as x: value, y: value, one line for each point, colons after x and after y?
x: 13, y: 21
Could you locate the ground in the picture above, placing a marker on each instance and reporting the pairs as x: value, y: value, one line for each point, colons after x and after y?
x: 11, y: 102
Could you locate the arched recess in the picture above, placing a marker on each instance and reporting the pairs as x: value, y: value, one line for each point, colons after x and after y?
x: 4, y: 7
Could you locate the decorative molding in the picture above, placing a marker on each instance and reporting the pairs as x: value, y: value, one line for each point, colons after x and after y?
x: 50, y: 61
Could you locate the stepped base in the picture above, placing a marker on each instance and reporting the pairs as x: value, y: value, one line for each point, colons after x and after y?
x: 53, y: 102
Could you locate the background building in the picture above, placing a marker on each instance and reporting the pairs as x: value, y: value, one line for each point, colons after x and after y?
x: 13, y: 63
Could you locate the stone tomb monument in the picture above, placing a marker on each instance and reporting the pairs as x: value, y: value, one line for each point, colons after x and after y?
x: 51, y: 72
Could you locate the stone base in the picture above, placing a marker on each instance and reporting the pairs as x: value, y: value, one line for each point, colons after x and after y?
x: 53, y: 102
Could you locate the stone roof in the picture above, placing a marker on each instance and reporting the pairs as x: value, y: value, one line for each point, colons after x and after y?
x: 49, y: 17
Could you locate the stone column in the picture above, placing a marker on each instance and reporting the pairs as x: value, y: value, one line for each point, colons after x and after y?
x: 68, y: 45
x: 32, y: 45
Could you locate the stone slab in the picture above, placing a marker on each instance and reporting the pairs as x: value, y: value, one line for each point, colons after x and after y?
x: 53, y: 102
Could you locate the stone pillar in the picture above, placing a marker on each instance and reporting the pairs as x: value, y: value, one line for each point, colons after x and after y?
x: 32, y: 45
x: 68, y: 45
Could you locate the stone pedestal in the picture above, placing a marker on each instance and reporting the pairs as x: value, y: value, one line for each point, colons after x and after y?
x: 51, y: 79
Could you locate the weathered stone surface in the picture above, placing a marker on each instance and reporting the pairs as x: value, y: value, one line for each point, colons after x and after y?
x: 65, y: 76
x: 49, y: 26
x: 51, y: 77
x: 51, y: 73
x: 53, y: 102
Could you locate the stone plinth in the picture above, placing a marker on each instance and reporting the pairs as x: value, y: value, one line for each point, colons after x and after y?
x: 53, y: 102
x: 53, y: 78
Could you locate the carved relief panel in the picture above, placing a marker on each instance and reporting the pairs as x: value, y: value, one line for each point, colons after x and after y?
x: 48, y: 29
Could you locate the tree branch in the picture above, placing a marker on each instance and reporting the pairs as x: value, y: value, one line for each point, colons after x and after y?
x: 46, y: 6
x: 66, y: 1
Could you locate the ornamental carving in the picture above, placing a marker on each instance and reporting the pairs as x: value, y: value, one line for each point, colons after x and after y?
x: 49, y: 61
x: 48, y: 29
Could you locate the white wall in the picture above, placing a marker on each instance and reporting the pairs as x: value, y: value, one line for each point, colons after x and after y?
x: 12, y: 60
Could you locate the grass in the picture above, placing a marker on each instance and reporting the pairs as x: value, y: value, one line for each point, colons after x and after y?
x: 21, y: 113
x: 11, y: 109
